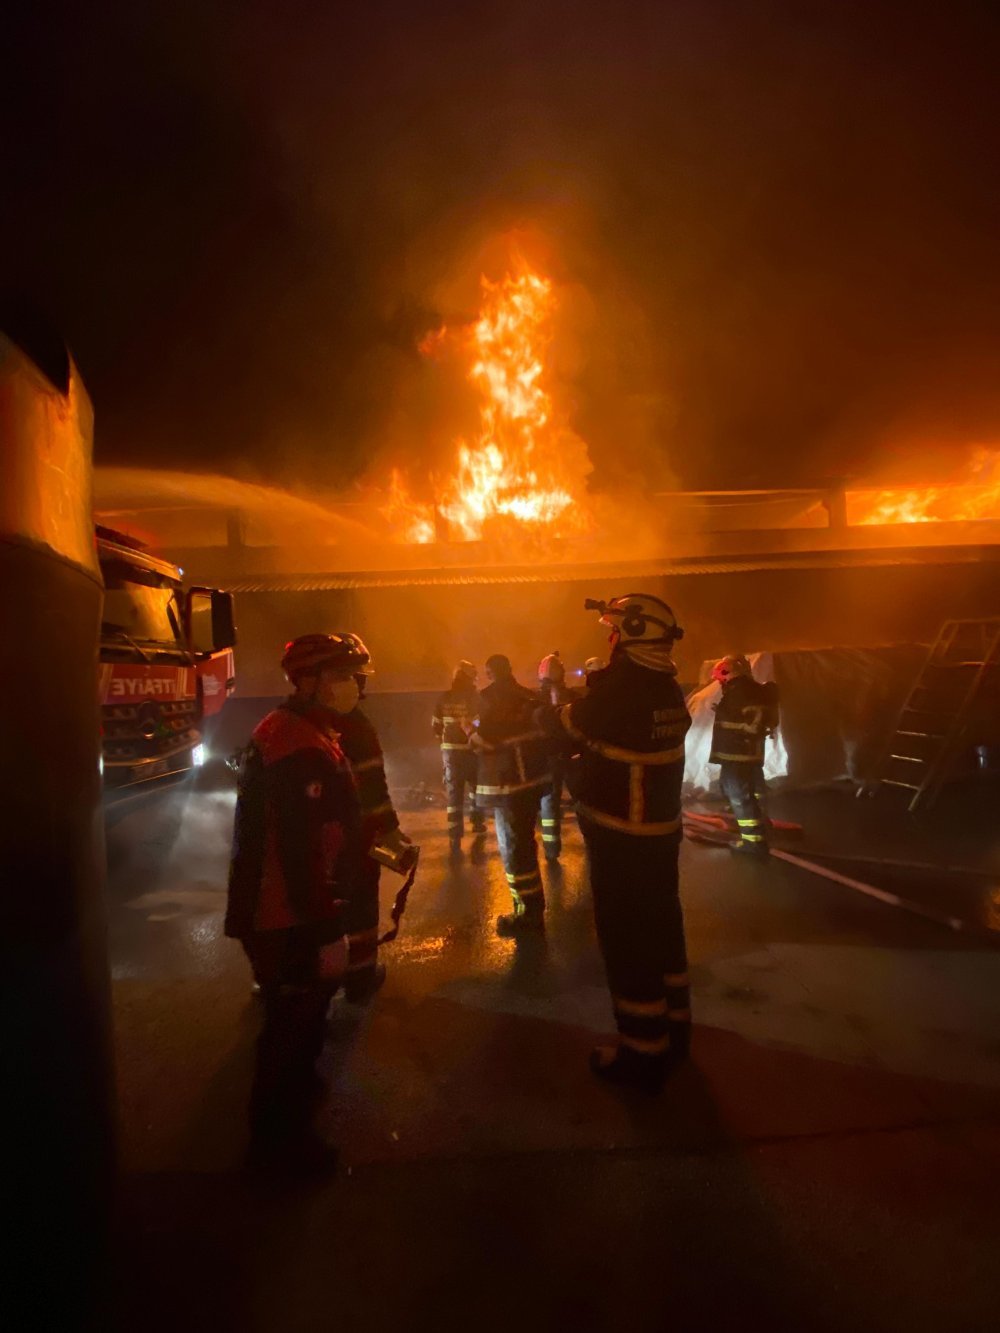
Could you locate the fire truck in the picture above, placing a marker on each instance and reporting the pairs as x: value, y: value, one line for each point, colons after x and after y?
x: 166, y: 664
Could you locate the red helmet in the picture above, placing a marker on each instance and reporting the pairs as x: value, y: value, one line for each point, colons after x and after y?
x: 728, y: 668
x: 551, y: 668
x: 310, y: 653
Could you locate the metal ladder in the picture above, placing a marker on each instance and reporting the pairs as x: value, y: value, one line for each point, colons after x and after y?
x: 933, y: 720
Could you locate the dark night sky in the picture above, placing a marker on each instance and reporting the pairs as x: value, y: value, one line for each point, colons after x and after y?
x: 785, y: 217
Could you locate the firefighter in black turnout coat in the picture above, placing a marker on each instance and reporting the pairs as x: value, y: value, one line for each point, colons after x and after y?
x: 553, y: 690
x: 745, y: 716
x: 454, y: 718
x: 513, y: 775
x: 627, y: 734
x: 379, y: 824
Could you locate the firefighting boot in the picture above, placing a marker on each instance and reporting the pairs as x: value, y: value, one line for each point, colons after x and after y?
x: 362, y: 986
x: 622, y: 1065
x: 523, y: 921
x: 753, y: 851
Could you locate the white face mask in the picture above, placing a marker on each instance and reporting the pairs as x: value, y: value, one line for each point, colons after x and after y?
x: 343, y: 696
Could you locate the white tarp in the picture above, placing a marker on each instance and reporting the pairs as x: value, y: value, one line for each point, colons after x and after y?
x: 698, y: 772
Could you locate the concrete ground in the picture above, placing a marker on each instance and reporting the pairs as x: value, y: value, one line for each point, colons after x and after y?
x: 830, y: 1159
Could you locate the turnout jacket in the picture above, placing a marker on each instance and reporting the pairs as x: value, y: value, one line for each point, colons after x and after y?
x: 455, y: 711
x: 296, y: 836
x: 512, y: 750
x: 745, y: 715
x: 628, y: 733
x: 359, y: 742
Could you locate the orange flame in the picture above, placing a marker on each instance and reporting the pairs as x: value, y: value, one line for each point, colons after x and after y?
x: 517, y: 470
x: 971, y: 500
x: 413, y: 519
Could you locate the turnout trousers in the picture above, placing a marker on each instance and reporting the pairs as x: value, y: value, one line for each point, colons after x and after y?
x: 551, y: 815
x: 515, y: 829
x: 744, y: 787
x: 459, y: 788
x: 291, y: 1038
x: 640, y: 929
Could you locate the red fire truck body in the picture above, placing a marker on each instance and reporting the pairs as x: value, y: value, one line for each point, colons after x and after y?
x: 166, y: 664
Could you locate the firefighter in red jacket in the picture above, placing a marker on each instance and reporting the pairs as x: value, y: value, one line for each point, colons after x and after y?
x: 627, y: 734
x: 746, y: 714
x: 296, y: 855
x: 513, y: 775
x: 454, y: 717
x: 379, y: 823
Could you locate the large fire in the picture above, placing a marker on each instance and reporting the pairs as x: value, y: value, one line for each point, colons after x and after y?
x: 523, y: 469
x: 968, y: 500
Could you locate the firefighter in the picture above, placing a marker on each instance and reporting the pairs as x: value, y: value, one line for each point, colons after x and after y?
x: 454, y: 717
x: 513, y: 775
x: 296, y: 856
x: 379, y: 822
x: 591, y: 668
x: 746, y: 714
x: 627, y: 735
x: 553, y: 692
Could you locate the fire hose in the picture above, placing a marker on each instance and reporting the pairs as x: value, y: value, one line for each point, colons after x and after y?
x: 406, y: 864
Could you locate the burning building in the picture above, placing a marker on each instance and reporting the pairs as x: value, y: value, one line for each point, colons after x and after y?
x: 494, y: 546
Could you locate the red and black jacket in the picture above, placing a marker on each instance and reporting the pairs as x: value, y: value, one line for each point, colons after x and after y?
x: 297, y: 833
x: 628, y: 733
x: 745, y: 715
x: 359, y: 742
x: 512, y: 752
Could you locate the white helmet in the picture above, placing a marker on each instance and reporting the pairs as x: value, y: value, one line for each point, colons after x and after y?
x: 638, y: 618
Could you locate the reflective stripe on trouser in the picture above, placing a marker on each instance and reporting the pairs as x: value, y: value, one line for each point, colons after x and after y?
x: 640, y: 929
x: 362, y: 918
x: 459, y: 786
x: 515, y: 829
x: 743, y: 785
x: 551, y: 821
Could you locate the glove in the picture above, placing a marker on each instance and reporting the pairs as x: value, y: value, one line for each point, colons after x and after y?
x: 402, y: 851
x: 396, y: 840
x: 333, y: 960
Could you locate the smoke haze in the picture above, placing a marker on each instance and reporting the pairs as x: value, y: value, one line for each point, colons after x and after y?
x: 771, y: 227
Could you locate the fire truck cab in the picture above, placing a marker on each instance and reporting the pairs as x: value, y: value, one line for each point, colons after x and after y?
x: 166, y: 664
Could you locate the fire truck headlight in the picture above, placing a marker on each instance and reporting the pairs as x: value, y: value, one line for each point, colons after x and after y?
x: 100, y: 765
x: 198, y: 756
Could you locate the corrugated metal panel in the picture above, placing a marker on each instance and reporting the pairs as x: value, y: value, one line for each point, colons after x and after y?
x: 434, y: 578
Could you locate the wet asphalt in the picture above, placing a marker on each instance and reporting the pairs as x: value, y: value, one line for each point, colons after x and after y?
x: 829, y: 1159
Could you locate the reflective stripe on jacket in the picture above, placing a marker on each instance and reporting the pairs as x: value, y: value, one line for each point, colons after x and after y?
x: 359, y: 741
x: 628, y: 733
x: 454, y: 715
x: 746, y: 712
x: 512, y: 751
